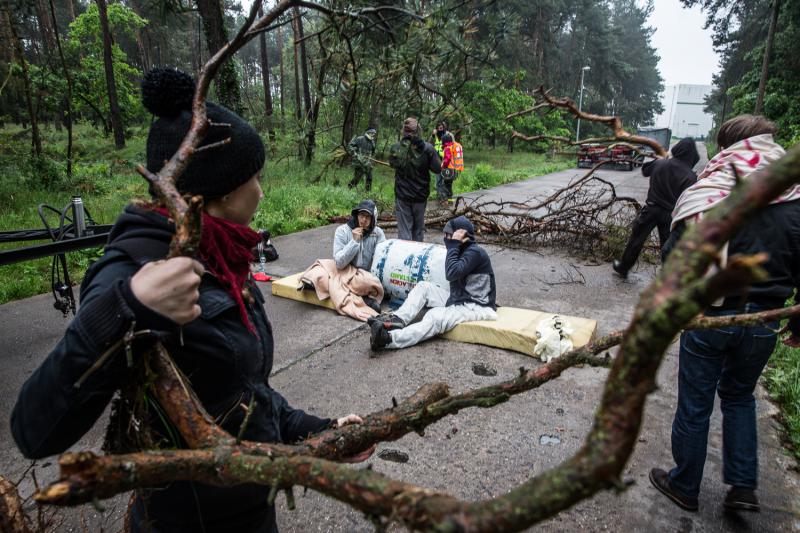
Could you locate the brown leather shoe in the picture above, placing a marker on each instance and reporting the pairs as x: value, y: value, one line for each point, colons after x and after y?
x: 660, y: 480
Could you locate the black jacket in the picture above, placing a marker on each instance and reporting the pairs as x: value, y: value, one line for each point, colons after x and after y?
x: 226, y: 364
x: 413, y: 159
x: 670, y: 177
x: 468, y: 268
x: 775, y: 230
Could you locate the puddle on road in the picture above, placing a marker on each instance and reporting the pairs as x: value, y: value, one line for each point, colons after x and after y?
x: 395, y: 456
x: 549, y: 440
x: 483, y: 369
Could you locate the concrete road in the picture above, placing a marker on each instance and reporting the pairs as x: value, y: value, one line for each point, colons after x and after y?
x: 322, y: 364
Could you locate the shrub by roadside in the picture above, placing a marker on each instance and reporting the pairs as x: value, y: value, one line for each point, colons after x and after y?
x: 782, y: 380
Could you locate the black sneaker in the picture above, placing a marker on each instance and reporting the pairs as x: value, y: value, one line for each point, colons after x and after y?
x: 617, y: 266
x: 741, y: 499
x: 390, y: 321
x: 378, y: 335
x: 372, y: 303
x: 660, y: 480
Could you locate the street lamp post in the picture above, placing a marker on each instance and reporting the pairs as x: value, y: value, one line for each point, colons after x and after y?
x: 580, y: 105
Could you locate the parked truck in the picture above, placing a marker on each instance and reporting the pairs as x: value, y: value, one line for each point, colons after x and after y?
x: 660, y: 135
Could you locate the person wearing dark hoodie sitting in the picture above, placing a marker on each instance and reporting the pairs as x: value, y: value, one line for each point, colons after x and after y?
x: 471, y: 295
x: 355, y: 241
x: 413, y: 160
x: 206, y: 310
x: 668, y: 179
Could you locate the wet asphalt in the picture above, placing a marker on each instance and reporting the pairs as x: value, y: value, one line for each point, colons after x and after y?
x: 322, y: 364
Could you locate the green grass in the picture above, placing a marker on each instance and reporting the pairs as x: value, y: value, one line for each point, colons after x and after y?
x: 782, y: 380
x: 295, y: 196
x: 711, y: 147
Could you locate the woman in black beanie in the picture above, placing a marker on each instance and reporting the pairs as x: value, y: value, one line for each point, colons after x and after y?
x: 225, y: 346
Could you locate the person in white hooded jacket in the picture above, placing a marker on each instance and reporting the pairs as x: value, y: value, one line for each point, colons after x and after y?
x: 355, y: 241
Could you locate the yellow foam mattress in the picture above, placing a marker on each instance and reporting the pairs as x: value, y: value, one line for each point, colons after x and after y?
x: 514, y: 329
x: 287, y: 288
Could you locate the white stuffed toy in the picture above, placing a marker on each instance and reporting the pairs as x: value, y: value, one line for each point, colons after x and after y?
x: 553, y: 339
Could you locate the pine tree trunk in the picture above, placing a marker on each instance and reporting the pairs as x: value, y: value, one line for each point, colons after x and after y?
x: 762, y: 83
x: 36, y: 140
x: 226, y: 82
x: 314, y: 115
x: 298, y: 108
x: 282, y: 76
x: 45, y: 28
x: 68, y: 98
x: 268, y: 110
x: 142, y: 38
x: 113, y: 103
x: 303, y: 64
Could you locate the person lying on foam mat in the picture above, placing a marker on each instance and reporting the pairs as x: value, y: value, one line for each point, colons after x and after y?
x: 471, y: 296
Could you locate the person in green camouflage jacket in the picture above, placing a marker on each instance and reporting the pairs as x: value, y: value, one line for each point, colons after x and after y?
x: 361, y: 150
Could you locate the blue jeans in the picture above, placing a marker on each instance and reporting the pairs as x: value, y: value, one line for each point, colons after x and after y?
x: 727, y: 361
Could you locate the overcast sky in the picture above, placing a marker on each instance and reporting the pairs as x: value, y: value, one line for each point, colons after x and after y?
x: 683, y: 44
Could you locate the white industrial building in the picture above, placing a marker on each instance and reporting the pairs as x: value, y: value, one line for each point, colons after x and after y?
x: 684, y: 111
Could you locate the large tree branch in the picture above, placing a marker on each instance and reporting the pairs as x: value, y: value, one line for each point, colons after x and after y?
x: 615, y: 123
x: 12, y: 516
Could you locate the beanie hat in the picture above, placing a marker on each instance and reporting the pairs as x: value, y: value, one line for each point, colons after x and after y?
x: 371, y: 129
x: 168, y: 93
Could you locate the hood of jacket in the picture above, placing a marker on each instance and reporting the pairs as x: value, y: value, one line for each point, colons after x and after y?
x: 458, y: 223
x: 364, y: 205
x: 686, y: 150
x: 137, y: 222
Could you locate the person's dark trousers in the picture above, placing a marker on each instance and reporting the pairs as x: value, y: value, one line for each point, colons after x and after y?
x: 648, y: 218
x: 357, y: 173
x: 410, y: 220
x: 444, y: 188
x: 727, y: 361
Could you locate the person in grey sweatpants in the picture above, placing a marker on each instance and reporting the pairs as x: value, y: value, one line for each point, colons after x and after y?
x: 410, y: 220
x: 413, y: 160
x: 471, y: 295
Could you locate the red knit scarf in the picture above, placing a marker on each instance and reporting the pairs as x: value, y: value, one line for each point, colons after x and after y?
x: 226, y: 252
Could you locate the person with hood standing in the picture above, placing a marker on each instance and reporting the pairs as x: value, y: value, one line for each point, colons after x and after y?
x: 362, y: 150
x: 668, y: 179
x: 206, y: 310
x: 728, y: 361
x: 471, y: 296
x: 413, y: 160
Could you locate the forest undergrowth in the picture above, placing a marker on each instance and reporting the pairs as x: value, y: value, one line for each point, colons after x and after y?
x: 296, y: 196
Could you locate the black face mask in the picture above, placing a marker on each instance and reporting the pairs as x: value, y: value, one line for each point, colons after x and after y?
x: 439, y: 133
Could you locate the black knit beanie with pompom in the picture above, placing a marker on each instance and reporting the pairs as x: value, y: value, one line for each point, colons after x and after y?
x: 167, y: 93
